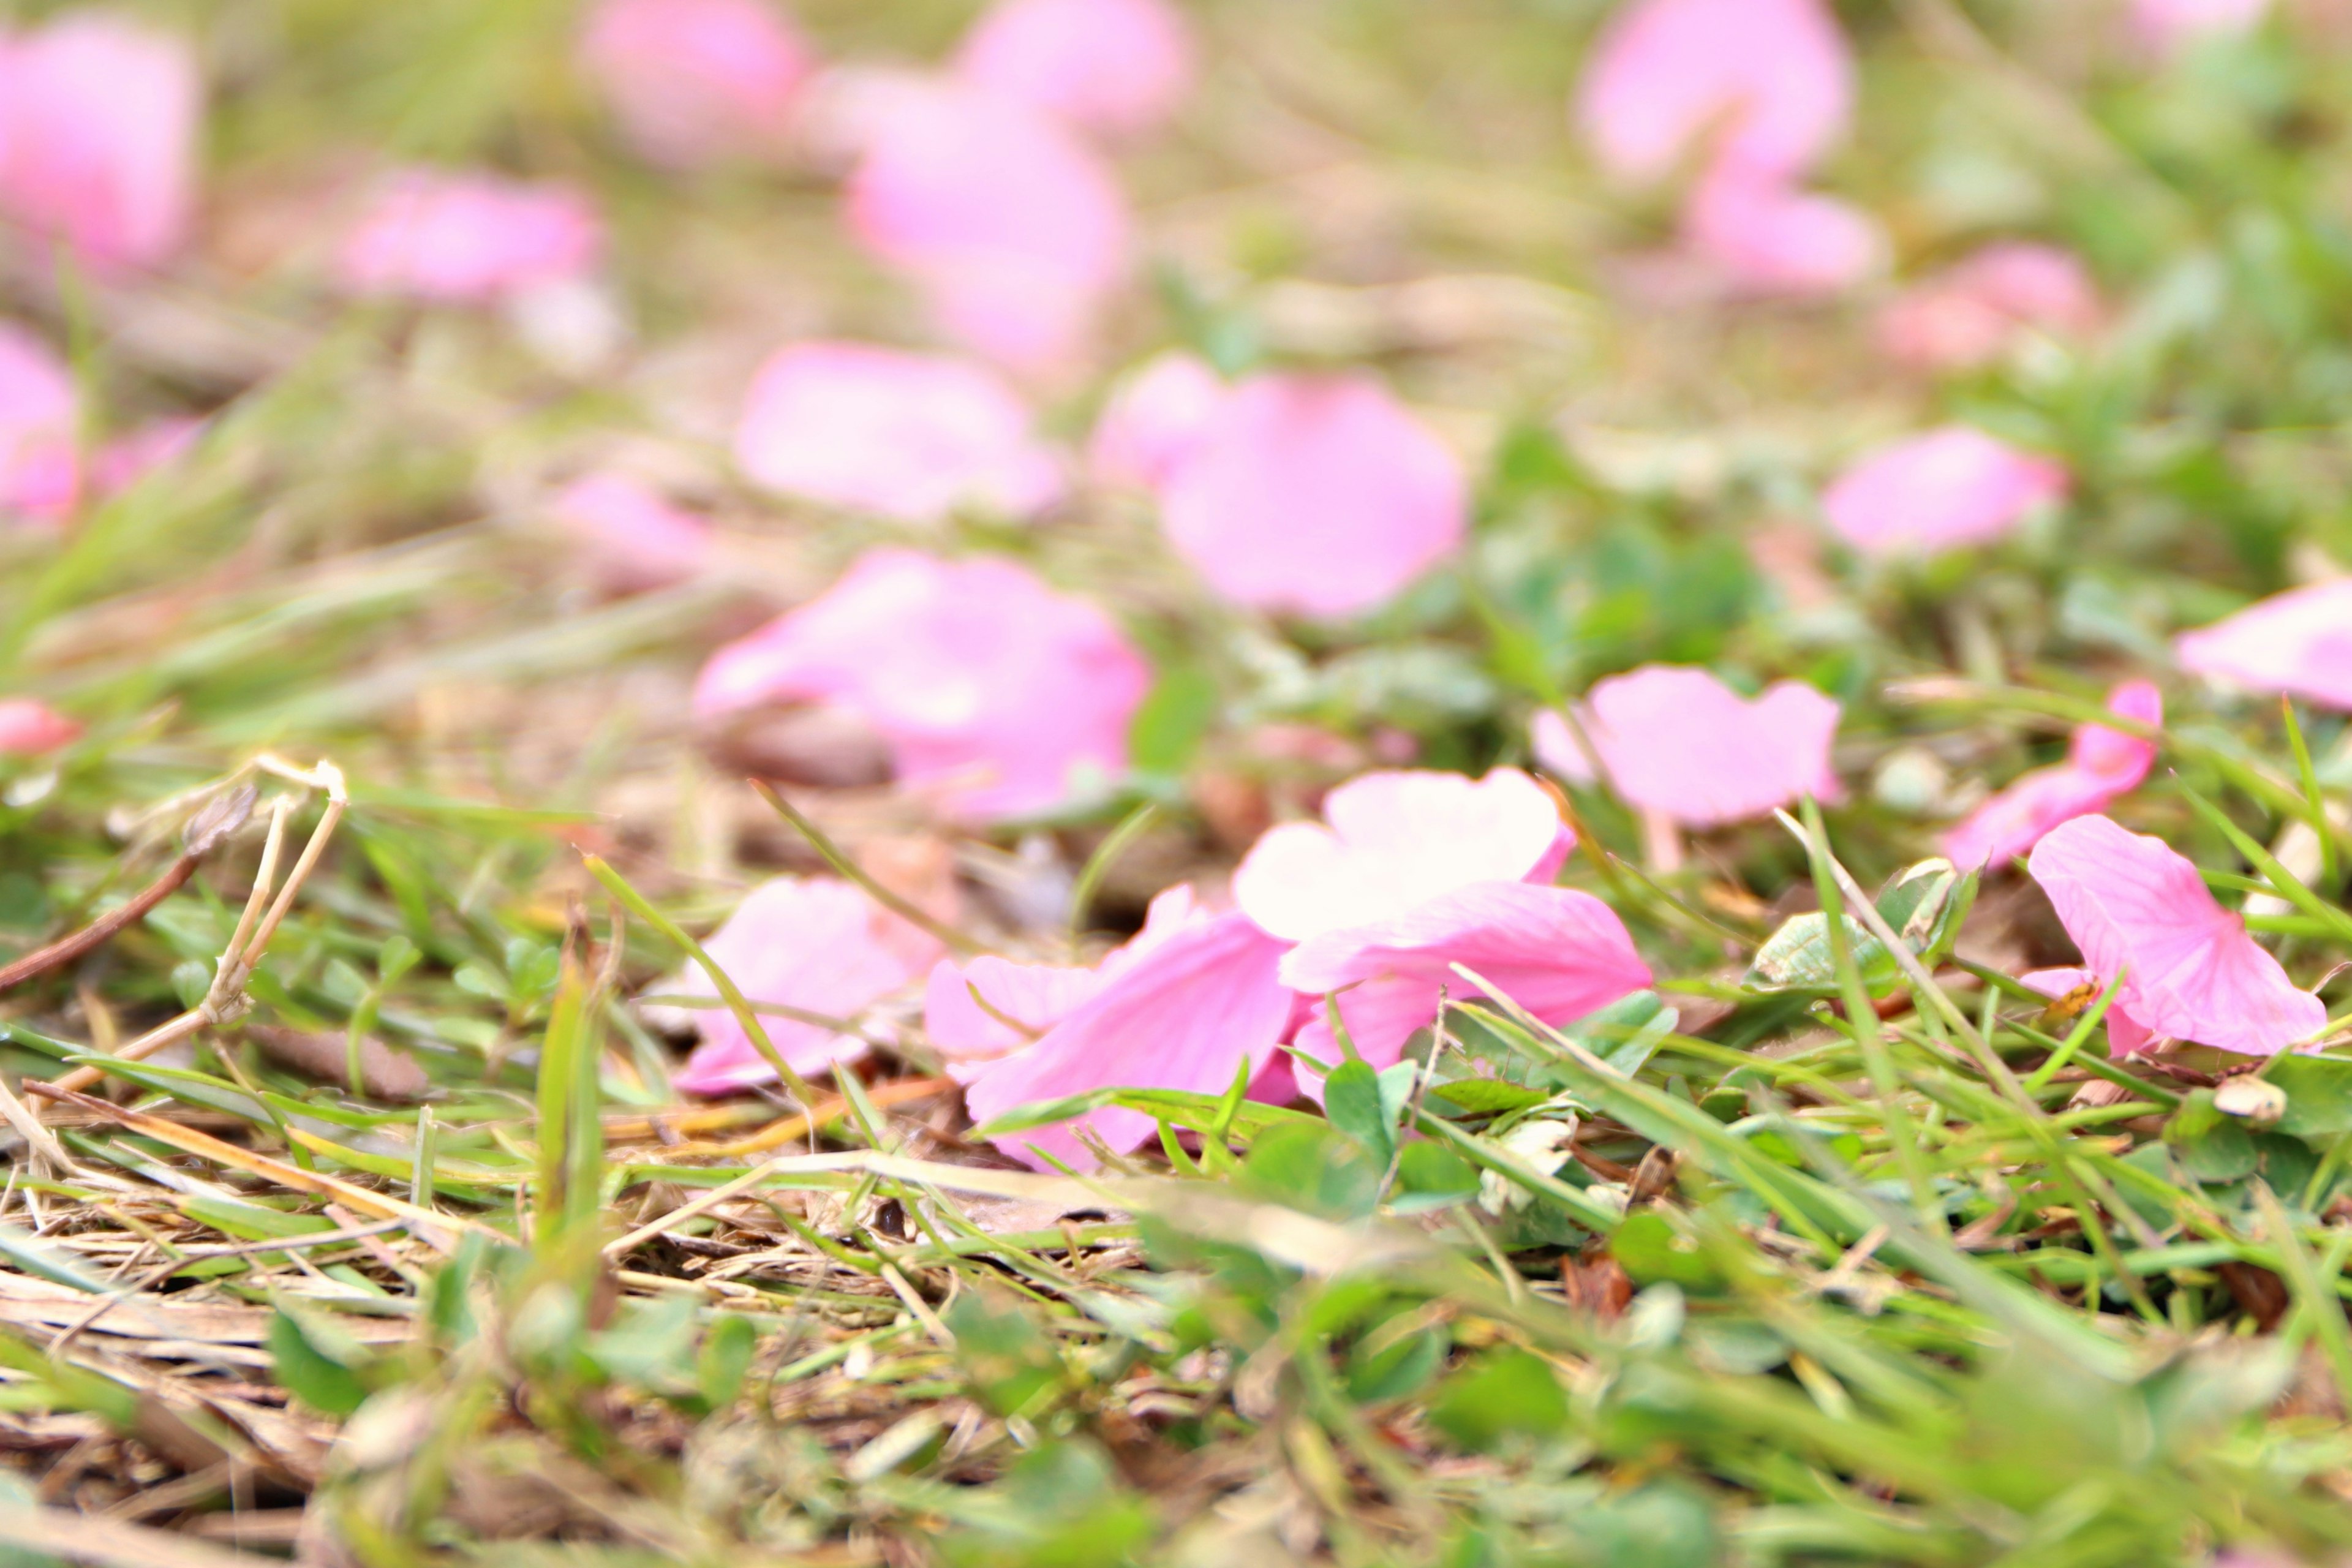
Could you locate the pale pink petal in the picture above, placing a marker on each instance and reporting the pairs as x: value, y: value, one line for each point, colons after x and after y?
x: 2299, y: 642
x: 1679, y: 742
x: 1765, y: 84
x: 2102, y: 765
x: 815, y: 943
x: 1117, y: 67
x: 1185, y: 1015
x: 39, y: 411
x: 991, y: 690
x: 2124, y: 1037
x: 1015, y: 228
x: 98, y: 134
x: 905, y: 435
x: 1391, y: 841
x: 469, y: 237
x: 1768, y: 237
x: 636, y: 538
x: 1558, y: 751
x: 1969, y: 314
x: 2169, y: 25
x: 2187, y: 968
x: 1317, y: 495
x: 1556, y: 952
x: 697, y: 82
x: 28, y: 728
x: 1952, y: 487
x: 1153, y: 421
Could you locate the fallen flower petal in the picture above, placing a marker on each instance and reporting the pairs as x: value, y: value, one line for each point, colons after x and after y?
x: 697, y: 82
x: 636, y: 538
x: 1949, y: 488
x: 1769, y: 237
x: 2168, y: 27
x: 469, y: 237
x: 1969, y: 314
x: 2189, y: 968
x: 2125, y: 1035
x: 1154, y: 420
x: 2102, y: 765
x: 2299, y: 642
x: 1115, y: 67
x: 30, y: 728
x: 1679, y: 742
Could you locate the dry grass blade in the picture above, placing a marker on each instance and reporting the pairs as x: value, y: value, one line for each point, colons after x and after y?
x: 112, y: 1543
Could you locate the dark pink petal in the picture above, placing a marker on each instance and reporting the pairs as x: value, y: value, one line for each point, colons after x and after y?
x: 29, y: 729
x: 906, y: 436
x: 697, y: 82
x: 1184, y: 1016
x: 469, y: 238
x: 1117, y: 67
x: 993, y: 690
x: 1315, y: 495
x: 1949, y: 488
x: 1972, y: 313
x: 635, y: 536
x: 2104, y: 765
x: 2189, y: 968
x: 1769, y: 237
x: 1389, y: 841
x: 1556, y: 952
x: 1679, y: 742
x: 1013, y: 227
x: 1153, y: 421
x: 2124, y: 1037
x: 1764, y: 84
x: 99, y: 118
x: 2298, y: 642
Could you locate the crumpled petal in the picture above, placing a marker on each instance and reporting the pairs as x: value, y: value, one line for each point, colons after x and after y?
x: 1001, y: 695
x: 2125, y: 1035
x: 469, y: 237
x: 1949, y: 488
x: 1155, y: 418
x: 1556, y: 952
x: 697, y: 82
x: 1771, y: 237
x: 904, y: 436
x: 2299, y: 642
x: 99, y: 118
x: 1770, y: 81
x: 636, y: 538
x: 1314, y: 495
x: 1389, y: 841
x: 2102, y: 765
x: 2187, y: 968
x: 1677, y: 740
x: 31, y: 728
x: 1115, y: 66
x: 1969, y: 314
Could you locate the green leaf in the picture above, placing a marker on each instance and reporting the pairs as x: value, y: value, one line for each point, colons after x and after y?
x: 1314, y: 1167
x: 1488, y: 1096
x: 1352, y: 1100
x: 1505, y: 1392
x: 1651, y: 1250
x: 1011, y: 1365
x: 1429, y: 1176
x: 2319, y: 1094
x: 318, y: 1363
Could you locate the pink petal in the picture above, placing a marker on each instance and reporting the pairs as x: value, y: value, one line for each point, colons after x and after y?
x: 697, y: 82
x: 1764, y: 84
x: 2170, y: 25
x: 1949, y: 488
x: 635, y: 536
x: 1395, y: 840
x: 1154, y: 420
x: 1119, y: 67
x: 2124, y: 1037
x: 1185, y: 1015
x: 2299, y: 642
x: 1557, y: 752
x: 1317, y: 495
x: 1015, y: 228
x: 2189, y: 970
x: 1679, y: 742
x: 905, y: 435
x: 29, y: 729
x: 1771, y: 238
x: 2104, y: 765
x: 995, y: 691
x: 1969, y: 314
x: 469, y: 237
x: 99, y: 118
x: 36, y: 389
x: 1556, y: 952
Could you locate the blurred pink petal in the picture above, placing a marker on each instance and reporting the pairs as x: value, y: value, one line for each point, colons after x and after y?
x: 2184, y: 966
x: 998, y: 693
x: 1390, y: 842
x: 28, y: 728
x: 634, y: 535
x: 469, y: 237
x: 697, y: 82
x: 1183, y: 1015
x: 98, y: 118
x: 2102, y: 765
x: 815, y: 943
x: 1117, y: 67
x: 1679, y: 742
x: 1015, y: 228
x: 2170, y: 25
x: 1155, y: 418
x: 1970, y: 313
x: 906, y: 436
x: 1952, y: 487
x: 1764, y: 84
x: 40, y: 412
x: 1556, y: 952
x: 1316, y: 495
x: 1769, y: 237
x: 2124, y: 1036
x: 2298, y: 642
